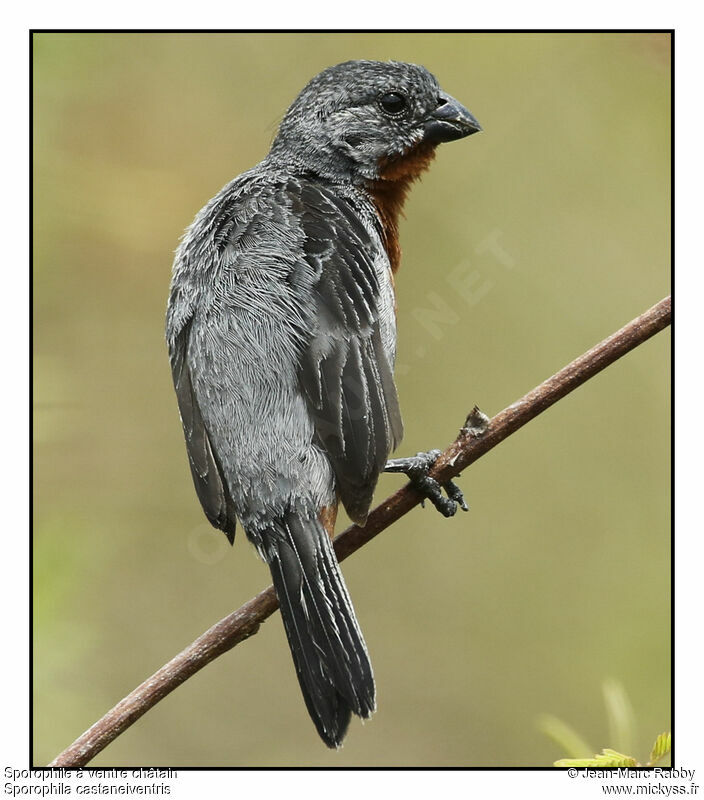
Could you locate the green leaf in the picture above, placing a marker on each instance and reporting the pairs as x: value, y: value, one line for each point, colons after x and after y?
x: 607, y: 758
x: 579, y: 763
x: 661, y: 748
x: 620, y: 759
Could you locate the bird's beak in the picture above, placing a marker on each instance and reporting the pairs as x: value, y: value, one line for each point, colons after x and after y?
x: 449, y: 121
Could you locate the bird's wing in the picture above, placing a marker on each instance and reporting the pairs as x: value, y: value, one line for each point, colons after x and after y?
x: 345, y: 370
x: 208, y: 478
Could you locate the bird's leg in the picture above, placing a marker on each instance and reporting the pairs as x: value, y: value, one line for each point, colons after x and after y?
x: 417, y: 468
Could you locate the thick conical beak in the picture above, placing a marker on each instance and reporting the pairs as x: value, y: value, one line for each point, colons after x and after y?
x: 449, y: 121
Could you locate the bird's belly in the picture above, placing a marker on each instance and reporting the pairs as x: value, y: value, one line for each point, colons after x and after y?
x: 245, y: 380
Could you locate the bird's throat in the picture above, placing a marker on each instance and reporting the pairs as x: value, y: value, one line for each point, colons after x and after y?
x: 389, y: 193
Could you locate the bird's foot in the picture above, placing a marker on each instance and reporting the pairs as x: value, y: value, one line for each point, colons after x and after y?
x: 417, y: 468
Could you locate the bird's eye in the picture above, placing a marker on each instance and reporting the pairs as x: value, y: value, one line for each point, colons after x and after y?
x: 393, y: 103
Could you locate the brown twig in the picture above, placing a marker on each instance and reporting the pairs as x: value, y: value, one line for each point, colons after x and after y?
x: 475, y: 439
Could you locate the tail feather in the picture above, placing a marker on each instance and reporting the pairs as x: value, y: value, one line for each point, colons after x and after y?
x: 328, y: 649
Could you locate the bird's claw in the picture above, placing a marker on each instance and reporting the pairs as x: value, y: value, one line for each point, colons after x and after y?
x: 417, y: 468
x: 454, y: 492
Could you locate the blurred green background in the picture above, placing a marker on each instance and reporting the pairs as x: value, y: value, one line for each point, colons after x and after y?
x: 523, y: 247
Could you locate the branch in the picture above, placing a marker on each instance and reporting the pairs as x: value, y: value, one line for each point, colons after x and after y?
x: 471, y: 444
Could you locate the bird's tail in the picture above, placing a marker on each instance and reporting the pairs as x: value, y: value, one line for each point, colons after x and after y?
x: 328, y: 649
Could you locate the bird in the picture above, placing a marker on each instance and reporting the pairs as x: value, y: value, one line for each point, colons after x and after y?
x: 281, y: 331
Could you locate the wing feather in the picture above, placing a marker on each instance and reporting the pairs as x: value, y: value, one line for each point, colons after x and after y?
x: 346, y: 371
x: 208, y: 479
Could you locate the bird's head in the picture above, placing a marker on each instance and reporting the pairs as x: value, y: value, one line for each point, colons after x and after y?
x: 360, y: 120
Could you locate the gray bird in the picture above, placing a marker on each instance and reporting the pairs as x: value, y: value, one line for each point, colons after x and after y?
x: 282, y: 335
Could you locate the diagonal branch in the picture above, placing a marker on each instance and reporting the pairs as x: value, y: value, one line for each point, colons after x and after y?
x: 474, y: 440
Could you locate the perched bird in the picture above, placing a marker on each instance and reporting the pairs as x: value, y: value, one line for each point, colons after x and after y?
x: 281, y: 332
